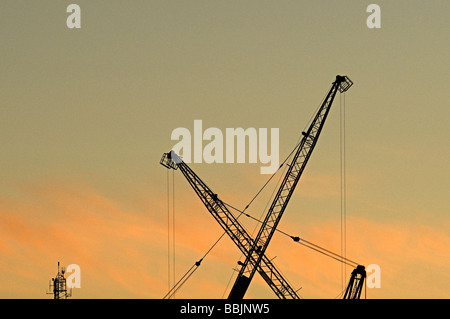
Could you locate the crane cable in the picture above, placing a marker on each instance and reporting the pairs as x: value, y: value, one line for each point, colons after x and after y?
x: 170, y: 220
x: 168, y: 229
x: 189, y: 273
x: 343, y: 185
x: 305, y: 243
x: 173, y: 225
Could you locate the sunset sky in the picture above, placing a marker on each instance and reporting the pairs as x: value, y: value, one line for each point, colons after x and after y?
x: 86, y: 114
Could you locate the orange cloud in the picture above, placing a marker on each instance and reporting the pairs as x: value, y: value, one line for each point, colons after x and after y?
x: 122, y: 249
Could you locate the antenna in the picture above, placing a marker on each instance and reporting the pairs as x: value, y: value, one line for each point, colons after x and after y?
x: 58, y: 286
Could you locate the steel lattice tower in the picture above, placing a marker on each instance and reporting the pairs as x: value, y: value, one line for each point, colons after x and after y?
x: 58, y: 286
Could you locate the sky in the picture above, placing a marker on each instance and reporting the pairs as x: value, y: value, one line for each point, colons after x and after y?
x: 86, y: 114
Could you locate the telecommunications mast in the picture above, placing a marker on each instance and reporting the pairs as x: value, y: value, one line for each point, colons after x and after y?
x: 58, y: 286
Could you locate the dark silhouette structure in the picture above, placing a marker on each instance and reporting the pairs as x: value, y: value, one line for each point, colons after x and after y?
x: 355, y: 283
x: 254, y: 249
x: 58, y: 285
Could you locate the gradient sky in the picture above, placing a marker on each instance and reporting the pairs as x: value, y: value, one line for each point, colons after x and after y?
x: 86, y: 114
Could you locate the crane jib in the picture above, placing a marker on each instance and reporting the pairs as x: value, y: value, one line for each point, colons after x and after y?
x: 291, y: 178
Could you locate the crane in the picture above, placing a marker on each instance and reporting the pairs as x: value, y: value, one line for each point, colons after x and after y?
x: 238, y: 234
x: 356, y: 282
x: 254, y: 250
x: 291, y: 178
